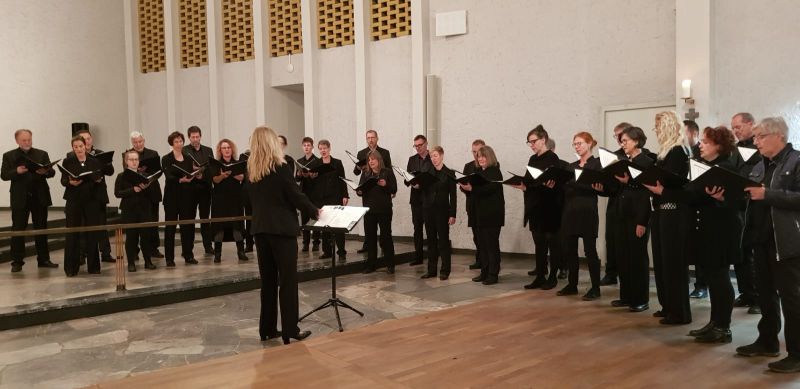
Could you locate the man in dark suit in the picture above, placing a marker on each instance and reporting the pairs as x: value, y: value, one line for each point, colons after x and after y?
x: 104, y: 246
x: 419, y: 162
x: 372, y: 145
x: 149, y: 163
x: 202, y: 183
x: 30, y: 195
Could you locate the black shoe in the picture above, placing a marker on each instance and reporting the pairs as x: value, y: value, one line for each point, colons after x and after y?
x: 639, y: 308
x: 415, y: 262
x: 659, y: 313
x: 149, y: 265
x: 267, y: 337
x: 444, y: 277
x: 242, y: 256
x: 562, y: 275
x: 536, y: 284
x: 390, y: 269
x: 474, y: 266
x: 668, y: 321
x: 368, y: 269
x: 790, y: 364
x: 608, y: 280
x: 131, y: 268
x: 756, y: 349
x: 300, y: 336
x: 480, y: 278
x: 592, y: 294
x: 699, y: 293
x: 754, y: 310
x: 305, y: 248
x: 191, y: 261
x: 428, y: 275
x: 108, y: 259
x: 47, y: 264
x: 533, y: 272
x: 72, y: 274
x: 16, y: 267
x: 620, y: 303
x: 326, y: 256
x: 567, y: 291
x: 217, y: 258
x: 490, y: 280
x: 550, y: 284
x: 170, y: 263
x: 94, y: 272
x: 157, y: 254
x: 249, y: 249
x: 741, y: 302
x: 362, y: 250
x: 701, y: 331
x: 715, y: 335
x: 315, y: 247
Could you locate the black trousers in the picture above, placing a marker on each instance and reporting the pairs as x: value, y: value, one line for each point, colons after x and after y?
x: 571, y: 258
x: 156, y: 239
x: 308, y: 236
x: 202, y: 203
x: 78, y: 214
x: 489, y: 238
x: 277, y: 266
x: 372, y: 222
x: 328, y: 242
x: 746, y: 275
x: 545, y: 242
x: 182, y: 211
x: 778, y: 288
x: 19, y: 222
x: 436, y: 224
x: 720, y: 291
x: 104, y: 244
x: 614, y: 242
x: 634, y: 266
x: 138, y: 237
x: 699, y: 278
x: 476, y: 241
x: 669, y: 263
x: 418, y: 220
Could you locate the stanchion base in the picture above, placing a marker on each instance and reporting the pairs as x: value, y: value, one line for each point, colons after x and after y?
x: 335, y: 303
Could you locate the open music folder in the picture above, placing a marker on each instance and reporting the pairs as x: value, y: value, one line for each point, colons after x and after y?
x: 338, y: 216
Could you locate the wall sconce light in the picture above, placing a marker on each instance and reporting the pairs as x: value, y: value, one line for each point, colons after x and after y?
x: 686, y: 91
x: 290, y: 67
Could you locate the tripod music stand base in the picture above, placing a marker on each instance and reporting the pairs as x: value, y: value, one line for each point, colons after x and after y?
x: 335, y: 303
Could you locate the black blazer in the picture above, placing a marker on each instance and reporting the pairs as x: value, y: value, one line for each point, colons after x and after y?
x: 89, y: 190
x: 417, y: 164
x: 276, y: 199
x: 362, y: 154
x: 441, y: 195
x: 379, y: 198
x: 329, y: 189
x: 490, y: 204
x: 29, y: 183
x: 543, y: 205
x: 580, y: 205
x: 174, y: 190
x: 107, y: 169
x: 676, y: 161
x: 131, y: 201
x: 469, y: 168
x: 203, y: 155
x: 634, y: 199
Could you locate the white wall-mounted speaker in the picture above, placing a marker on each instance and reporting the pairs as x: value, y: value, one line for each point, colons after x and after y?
x: 432, y: 109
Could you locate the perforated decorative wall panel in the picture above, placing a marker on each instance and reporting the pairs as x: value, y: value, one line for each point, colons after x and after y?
x: 335, y: 21
x: 390, y: 18
x: 285, y: 27
x: 194, y: 40
x: 152, y: 53
x: 237, y: 30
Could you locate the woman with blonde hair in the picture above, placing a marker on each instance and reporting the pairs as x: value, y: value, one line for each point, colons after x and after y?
x: 275, y: 198
x: 669, y: 223
x: 226, y: 201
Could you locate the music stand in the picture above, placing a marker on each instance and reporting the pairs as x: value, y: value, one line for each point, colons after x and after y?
x: 341, y: 226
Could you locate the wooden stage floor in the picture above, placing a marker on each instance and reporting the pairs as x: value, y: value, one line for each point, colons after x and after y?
x: 527, y: 340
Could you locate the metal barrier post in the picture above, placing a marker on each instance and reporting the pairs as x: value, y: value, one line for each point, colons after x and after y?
x: 120, y: 265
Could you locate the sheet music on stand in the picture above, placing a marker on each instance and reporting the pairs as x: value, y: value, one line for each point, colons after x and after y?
x: 339, y: 216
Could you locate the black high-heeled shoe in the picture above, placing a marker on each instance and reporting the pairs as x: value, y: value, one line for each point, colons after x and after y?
x: 299, y: 336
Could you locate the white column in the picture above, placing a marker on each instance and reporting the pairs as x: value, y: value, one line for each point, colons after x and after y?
x: 361, y: 29
x: 309, y: 20
x: 420, y: 63
x: 693, y: 56
x: 261, y: 53
x: 215, y: 59
x: 171, y: 48
x: 129, y: 11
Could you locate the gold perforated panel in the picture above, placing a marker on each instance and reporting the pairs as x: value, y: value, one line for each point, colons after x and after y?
x: 285, y: 27
x: 335, y: 21
x: 237, y: 29
x: 152, y: 52
x: 194, y: 40
x: 390, y: 18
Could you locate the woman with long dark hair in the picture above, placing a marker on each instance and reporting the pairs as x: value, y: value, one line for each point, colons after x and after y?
x: 378, y: 199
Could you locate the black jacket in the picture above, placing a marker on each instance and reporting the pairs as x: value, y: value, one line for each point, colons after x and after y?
x: 490, y: 203
x: 88, y: 190
x: 745, y: 167
x: 107, y: 169
x: 580, y: 205
x: 307, y: 183
x: 676, y: 161
x: 202, y: 156
x: 328, y: 188
x: 469, y: 168
x: 226, y: 199
x: 276, y: 199
x: 144, y: 155
x: 543, y: 205
x: 379, y: 198
x: 362, y: 155
x: 716, y: 227
x: 612, y: 192
x: 174, y: 191
x: 783, y: 198
x: 132, y: 201
x: 30, y: 184
x: 417, y: 164
x: 441, y: 196
x: 634, y: 199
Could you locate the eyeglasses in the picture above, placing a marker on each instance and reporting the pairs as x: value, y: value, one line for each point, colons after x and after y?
x: 762, y: 136
x: 532, y: 141
x: 419, y: 145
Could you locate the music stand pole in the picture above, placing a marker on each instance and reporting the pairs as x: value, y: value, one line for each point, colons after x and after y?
x: 334, y: 301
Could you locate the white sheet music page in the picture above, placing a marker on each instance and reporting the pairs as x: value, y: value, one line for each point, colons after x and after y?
x: 634, y: 171
x: 746, y: 152
x: 607, y: 157
x: 535, y: 173
x: 339, y: 216
x: 404, y: 173
x: 696, y: 169
x: 578, y: 173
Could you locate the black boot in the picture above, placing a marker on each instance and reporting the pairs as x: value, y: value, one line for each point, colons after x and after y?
x: 240, y: 251
x: 217, y: 252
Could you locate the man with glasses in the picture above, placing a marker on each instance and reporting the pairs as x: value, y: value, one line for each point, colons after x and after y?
x: 372, y: 145
x: 419, y: 162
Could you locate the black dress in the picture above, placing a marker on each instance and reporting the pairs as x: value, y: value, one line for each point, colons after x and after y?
x: 179, y: 204
x: 226, y: 201
x: 490, y: 216
x: 581, y: 220
x: 379, y: 200
x: 439, y: 202
x: 85, y: 205
x: 543, y: 208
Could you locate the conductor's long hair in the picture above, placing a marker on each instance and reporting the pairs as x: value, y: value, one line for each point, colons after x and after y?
x: 669, y: 132
x: 266, y: 154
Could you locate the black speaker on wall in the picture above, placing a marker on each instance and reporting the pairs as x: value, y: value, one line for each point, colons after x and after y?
x: 77, y: 127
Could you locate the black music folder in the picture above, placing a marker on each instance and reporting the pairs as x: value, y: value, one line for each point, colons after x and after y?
x: 748, y: 154
x: 105, y: 157
x: 515, y: 179
x: 137, y: 178
x: 554, y: 173
x: 655, y: 173
x: 184, y: 172
x: 721, y: 177
x: 472, y: 179
x: 34, y: 166
x: 368, y: 184
x: 590, y: 177
x: 319, y: 168
x: 87, y: 175
x: 359, y: 162
x: 195, y: 162
x: 236, y: 168
x: 416, y: 178
x: 150, y: 165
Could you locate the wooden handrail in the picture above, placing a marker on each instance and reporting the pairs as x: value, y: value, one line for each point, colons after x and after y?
x: 109, y: 227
